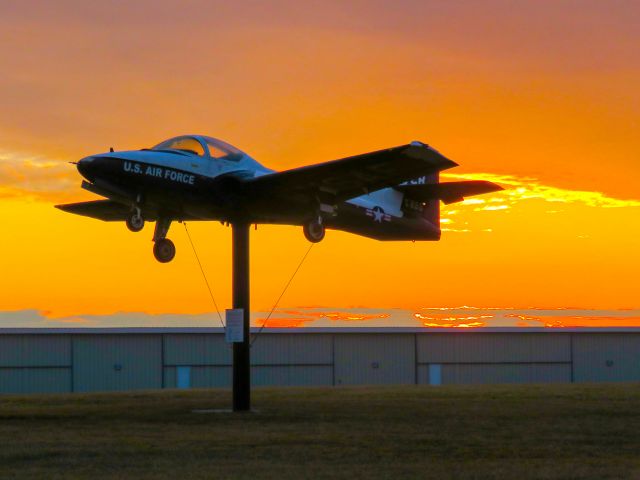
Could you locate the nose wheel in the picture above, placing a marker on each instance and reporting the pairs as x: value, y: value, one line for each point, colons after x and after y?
x: 135, y: 222
x: 314, y: 230
x: 164, y: 250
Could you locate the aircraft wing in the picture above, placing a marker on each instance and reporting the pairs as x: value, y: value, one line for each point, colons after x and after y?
x: 106, y: 210
x: 350, y: 177
x: 112, y: 211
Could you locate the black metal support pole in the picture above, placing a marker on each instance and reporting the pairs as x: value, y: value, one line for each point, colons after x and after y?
x: 241, y: 351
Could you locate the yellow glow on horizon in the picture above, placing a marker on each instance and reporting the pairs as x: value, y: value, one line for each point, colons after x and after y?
x: 67, y: 265
x: 530, y: 188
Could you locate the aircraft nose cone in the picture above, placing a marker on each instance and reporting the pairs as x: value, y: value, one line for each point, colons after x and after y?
x: 84, y: 167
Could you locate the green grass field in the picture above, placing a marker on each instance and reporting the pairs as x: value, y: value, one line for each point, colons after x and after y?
x: 567, y: 431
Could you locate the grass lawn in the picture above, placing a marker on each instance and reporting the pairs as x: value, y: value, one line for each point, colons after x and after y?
x: 565, y: 431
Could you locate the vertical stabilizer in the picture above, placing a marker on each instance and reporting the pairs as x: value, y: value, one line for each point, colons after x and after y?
x: 431, y: 209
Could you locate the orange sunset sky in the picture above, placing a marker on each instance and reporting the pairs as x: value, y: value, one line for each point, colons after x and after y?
x: 539, y: 96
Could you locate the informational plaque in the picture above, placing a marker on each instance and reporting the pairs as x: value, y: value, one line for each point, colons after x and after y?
x: 234, y: 332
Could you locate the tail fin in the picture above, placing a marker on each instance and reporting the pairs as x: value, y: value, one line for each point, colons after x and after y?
x: 426, y: 193
x: 413, y: 205
x: 431, y: 209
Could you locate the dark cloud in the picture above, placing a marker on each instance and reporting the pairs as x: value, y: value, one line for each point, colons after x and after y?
x: 350, y: 317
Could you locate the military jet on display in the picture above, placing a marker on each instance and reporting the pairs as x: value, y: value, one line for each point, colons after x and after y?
x: 391, y: 194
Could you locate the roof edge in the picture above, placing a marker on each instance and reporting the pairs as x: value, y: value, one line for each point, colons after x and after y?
x: 317, y: 330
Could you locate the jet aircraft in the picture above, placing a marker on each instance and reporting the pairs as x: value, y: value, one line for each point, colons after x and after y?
x: 391, y: 194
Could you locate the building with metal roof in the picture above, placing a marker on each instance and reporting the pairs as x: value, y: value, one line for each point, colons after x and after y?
x: 44, y: 360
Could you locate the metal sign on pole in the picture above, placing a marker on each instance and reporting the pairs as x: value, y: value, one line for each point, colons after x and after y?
x: 234, y: 331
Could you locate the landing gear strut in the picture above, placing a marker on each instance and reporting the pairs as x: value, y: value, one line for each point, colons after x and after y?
x: 163, y: 249
x: 314, y: 230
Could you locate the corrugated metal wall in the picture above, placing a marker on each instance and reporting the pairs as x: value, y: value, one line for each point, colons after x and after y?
x: 35, y: 363
x: 373, y: 359
x: 495, y: 357
x: 116, y: 362
x: 83, y: 362
x: 292, y: 359
x: 493, y: 348
x: 207, y: 357
x: 606, y: 357
x: 483, y: 373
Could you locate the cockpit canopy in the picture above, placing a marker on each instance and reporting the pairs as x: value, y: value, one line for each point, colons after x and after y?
x: 201, y: 146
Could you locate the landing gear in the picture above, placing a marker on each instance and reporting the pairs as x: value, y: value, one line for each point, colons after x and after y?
x: 135, y: 222
x: 163, y: 249
x: 314, y: 230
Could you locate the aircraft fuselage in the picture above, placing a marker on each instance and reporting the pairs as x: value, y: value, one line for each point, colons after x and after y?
x: 202, y: 189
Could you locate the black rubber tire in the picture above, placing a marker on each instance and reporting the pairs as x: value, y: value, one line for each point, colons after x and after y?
x: 313, y: 231
x: 164, y: 250
x: 135, y: 224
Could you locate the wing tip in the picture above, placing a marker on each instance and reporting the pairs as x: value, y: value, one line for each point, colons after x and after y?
x: 444, y: 162
x: 494, y: 187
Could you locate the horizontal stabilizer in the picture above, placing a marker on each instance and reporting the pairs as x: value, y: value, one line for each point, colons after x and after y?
x: 448, y: 192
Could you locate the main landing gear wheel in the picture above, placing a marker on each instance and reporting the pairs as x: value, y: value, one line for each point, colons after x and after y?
x: 313, y: 231
x: 135, y: 222
x: 164, y: 250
